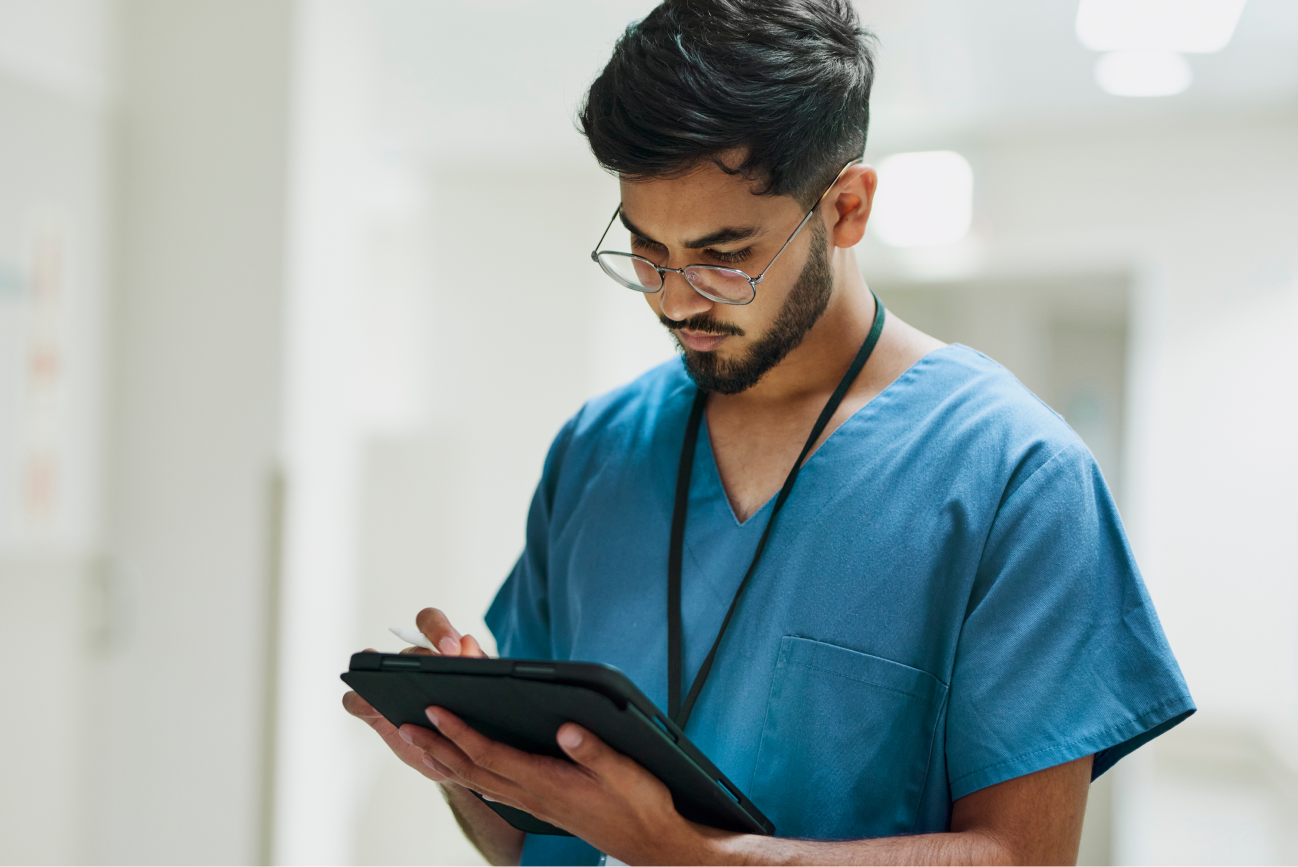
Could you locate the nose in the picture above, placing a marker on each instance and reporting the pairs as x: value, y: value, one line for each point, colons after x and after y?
x: 679, y: 301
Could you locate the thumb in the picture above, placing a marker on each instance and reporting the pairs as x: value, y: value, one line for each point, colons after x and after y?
x: 589, y: 751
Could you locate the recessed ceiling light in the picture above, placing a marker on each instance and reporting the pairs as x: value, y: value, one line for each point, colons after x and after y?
x: 925, y: 199
x: 1192, y: 26
x: 1143, y: 73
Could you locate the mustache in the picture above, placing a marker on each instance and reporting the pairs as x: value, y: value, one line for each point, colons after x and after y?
x: 702, y: 324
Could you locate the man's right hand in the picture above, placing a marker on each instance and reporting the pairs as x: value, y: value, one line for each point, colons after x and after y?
x: 498, y: 841
x: 442, y: 635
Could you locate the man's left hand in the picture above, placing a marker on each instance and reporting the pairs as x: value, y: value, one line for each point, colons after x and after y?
x: 601, y: 796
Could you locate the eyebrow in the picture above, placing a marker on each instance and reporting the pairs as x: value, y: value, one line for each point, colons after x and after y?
x: 727, y: 235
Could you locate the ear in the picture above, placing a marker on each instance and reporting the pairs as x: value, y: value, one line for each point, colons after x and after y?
x: 847, y: 207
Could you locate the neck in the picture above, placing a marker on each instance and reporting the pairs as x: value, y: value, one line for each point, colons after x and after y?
x: 814, y: 369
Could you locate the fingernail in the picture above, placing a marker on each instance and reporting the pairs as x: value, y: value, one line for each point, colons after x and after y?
x: 570, y: 738
x: 405, y: 736
x: 449, y: 646
x: 432, y: 718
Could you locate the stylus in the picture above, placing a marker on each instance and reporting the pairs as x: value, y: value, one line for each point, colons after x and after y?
x: 412, y: 636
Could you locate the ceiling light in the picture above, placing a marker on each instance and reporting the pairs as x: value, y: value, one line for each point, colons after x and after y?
x: 1143, y: 73
x: 1193, y: 26
x: 925, y: 199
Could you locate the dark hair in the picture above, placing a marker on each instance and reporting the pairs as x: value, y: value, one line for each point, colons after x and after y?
x: 787, y: 82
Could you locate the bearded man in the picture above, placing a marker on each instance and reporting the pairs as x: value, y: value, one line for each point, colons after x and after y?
x: 920, y: 653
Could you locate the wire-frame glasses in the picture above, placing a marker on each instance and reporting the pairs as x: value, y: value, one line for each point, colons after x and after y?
x: 723, y: 285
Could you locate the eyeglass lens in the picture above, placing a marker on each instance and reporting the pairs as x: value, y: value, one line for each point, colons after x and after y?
x: 726, y: 285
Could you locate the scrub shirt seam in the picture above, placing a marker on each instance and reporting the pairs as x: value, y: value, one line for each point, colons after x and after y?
x: 928, y: 766
x: 770, y: 698
x: 1009, y: 495
x: 1137, y: 718
x: 927, y: 701
x: 982, y: 552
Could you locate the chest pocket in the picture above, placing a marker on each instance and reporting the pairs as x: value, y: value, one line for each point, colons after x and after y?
x: 847, y: 741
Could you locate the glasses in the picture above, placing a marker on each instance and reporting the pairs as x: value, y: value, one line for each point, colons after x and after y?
x: 723, y: 285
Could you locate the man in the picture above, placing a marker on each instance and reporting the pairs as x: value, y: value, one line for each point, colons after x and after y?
x: 936, y: 638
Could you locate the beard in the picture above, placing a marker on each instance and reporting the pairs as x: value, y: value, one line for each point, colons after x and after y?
x: 802, y: 309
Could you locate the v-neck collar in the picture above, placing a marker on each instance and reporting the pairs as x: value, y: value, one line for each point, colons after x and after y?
x: 714, y: 471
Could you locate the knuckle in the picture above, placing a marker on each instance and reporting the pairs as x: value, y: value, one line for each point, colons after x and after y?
x: 434, y: 623
x: 460, y: 765
x: 486, y: 757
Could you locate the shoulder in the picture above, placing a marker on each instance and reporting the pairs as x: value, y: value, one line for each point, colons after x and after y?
x: 636, y: 406
x: 981, y: 415
x: 626, y: 421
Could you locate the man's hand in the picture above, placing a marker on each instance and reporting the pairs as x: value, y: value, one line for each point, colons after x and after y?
x: 495, y: 838
x: 617, y: 806
x: 620, y: 808
x: 441, y: 634
x: 601, y: 796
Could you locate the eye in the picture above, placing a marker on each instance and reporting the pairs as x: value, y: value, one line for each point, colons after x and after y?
x: 640, y: 244
x: 732, y: 257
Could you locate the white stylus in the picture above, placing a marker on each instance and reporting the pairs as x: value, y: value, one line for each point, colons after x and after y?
x: 412, y: 636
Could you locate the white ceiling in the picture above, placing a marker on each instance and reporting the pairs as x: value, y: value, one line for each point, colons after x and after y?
x: 502, y: 79
x: 951, y: 65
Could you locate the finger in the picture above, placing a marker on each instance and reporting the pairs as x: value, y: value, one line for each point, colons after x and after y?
x: 359, y: 707
x: 446, y: 756
x: 469, y: 647
x: 481, y: 750
x: 417, y: 651
x: 489, y: 765
x: 409, y: 753
x: 592, y: 753
x: 433, y: 623
x: 445, y: 773
x: 426, y: 739
x: 487, y: 794
x: 449, y: 760
x: 452, y: 762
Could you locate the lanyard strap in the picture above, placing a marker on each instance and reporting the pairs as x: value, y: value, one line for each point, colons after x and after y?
x: 678, y: 711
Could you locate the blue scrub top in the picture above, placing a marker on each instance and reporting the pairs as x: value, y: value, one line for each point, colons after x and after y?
x: 947, y: 600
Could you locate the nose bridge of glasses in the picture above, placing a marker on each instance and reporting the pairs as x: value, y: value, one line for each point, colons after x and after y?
x: 682, y: 274
x: 685, y: 294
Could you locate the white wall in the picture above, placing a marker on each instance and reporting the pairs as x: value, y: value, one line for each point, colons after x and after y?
x: 1193, y: 211
x: 411, y: 392
x: 526, y: 328
x: 173, y: 730
x: 1203, y: 217
x: 54, y: 179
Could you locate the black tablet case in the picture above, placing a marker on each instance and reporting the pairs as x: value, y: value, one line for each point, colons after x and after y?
x: 523, y: 703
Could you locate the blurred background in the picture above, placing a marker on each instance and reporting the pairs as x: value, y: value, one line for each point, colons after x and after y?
x: 294, y: 295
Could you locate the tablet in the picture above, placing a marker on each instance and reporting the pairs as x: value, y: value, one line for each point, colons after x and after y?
x: 522, y: 703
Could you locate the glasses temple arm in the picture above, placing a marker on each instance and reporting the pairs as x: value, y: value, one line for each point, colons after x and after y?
x: 837, y: 178
x: 761, y: 276
x: 594, y: 253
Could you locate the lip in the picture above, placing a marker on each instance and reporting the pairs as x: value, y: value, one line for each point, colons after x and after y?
x: 700, y: 341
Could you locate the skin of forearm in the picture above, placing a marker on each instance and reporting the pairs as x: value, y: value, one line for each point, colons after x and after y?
x: 498, y: 841
x: 1033, y: 819
x: 969, y: 847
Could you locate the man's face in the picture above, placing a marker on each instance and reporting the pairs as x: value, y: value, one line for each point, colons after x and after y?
x: 710, y: 218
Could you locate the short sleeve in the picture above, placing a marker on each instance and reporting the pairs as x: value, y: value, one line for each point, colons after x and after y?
x: 1061, y: 654
x: 519, y: 616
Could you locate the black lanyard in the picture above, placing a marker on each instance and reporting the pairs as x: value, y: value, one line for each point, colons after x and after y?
x: 680, y: 713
